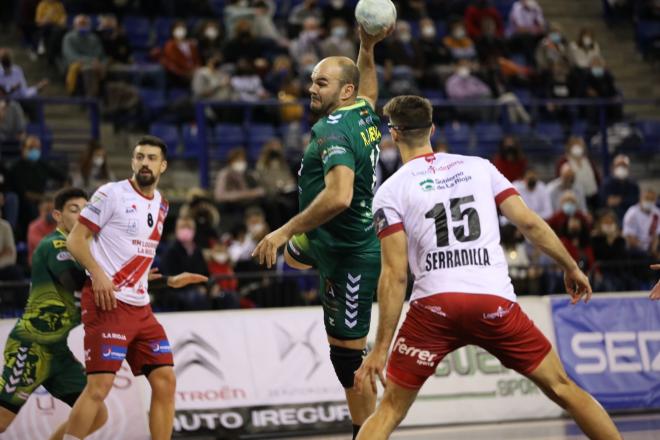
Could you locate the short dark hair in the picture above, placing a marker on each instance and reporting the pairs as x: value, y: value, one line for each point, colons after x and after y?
x: 66, y: 194
x: 412, y: 115
x: 154, y: 142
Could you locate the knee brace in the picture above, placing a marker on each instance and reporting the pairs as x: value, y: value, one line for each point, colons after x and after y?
x: 346, y: 361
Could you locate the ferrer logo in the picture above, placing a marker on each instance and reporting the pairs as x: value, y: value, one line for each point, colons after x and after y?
x: 424, y: 357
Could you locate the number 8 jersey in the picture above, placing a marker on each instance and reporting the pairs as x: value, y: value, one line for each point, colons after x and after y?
x: 127, y: 227
x: 447, y: 205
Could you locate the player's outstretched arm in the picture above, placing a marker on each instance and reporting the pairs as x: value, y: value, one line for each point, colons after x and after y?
x: 367, y: 65
x: 391, y: 294
x: 77, y: 243
x: 335, y: 198
x: 537, y: 231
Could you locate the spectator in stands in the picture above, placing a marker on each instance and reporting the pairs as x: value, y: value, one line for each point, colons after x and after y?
x: 436, y: 59
x: 610, y: 253
x: 558, y: 83
x: 308, y: 41
x: 552, y: 50
x: 489, y: 43
x: 12, y: 122
x: 388, y: 160
x: 337, y: 9
x: 463, y: 85
x: 246, y: 83
x: 235, y: 11
x: 209, y: 40
x: 224, y: 293
x: 94, y: 169
x: 12, y: 79
x: 212, y: 82
x: 42, y: 225
x: 587, y: 178
x: 180, y: 56
x: 566, y: 182
x: 264, y: 27
x: 477, y: 13
x: 641, y: 226
x: 600, y: 83
x: 535, y: 194
x: 246, y: 237
x: 523, y: 276
x: 459, y: 44
x: 338, y: 42
x: 115, y: 43
x: 50, y: 19
x: 573, y: 227
x: 183, y: 255
x: 244, y: 43
x: 9, y: 199
x: 200, y: 207
x: 619, y: 191
x: 497, y: 72
x: 584, y: 50
x: 303, y: 11
x: 28, y: 178
x: 9, y: 271
x: 235, y: 183
x: 510, y: 160
x: 25, y: 20
x: 83, y: 56
x: 526, y: 27
x: 275, y: 177
x: 412, y: 10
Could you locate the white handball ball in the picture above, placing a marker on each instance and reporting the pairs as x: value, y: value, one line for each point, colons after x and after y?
x: 375, y: 15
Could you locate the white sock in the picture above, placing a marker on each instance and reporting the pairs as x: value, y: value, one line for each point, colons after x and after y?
x: 70, y: 437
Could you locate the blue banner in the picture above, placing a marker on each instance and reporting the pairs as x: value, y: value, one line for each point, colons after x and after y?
x: 611, y: 348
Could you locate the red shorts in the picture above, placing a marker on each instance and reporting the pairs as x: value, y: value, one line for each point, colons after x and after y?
x: 439, y: 324
x: 126, y: 332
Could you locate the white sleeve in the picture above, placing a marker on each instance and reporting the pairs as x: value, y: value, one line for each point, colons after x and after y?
x: 98, y: 210
x: 387, y: 215
x: 500, y: 185
x: 629, y: 223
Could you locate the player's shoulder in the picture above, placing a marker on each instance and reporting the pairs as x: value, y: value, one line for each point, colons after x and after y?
x: 53, y: 242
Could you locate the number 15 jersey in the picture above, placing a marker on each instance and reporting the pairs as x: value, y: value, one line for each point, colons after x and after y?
x: 447, y: 206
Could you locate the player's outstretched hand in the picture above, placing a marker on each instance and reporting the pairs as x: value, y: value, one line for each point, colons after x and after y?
x: 371, y: 40
x: 372, y: 367
x: 577, y: 285
x: 266, y: 250
x: 655, y: 292
x: 185, y: 278
x: 104, y: 291
x: 154, y: 275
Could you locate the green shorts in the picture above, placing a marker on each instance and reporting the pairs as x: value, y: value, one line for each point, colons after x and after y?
x: 347, y: 286
x: 29, y: 365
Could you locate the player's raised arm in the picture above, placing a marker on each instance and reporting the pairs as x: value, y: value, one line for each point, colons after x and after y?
x: 368, y: 88
x: 77, y: 243
x: 391, y: 294
x: 537, y: 231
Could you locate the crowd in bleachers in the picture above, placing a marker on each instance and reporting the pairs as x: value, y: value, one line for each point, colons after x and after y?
x: 148, y: 61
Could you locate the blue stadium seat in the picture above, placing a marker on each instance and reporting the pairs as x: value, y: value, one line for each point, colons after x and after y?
x: 457, y: 136
x: 218, y: 6
x: 175, y: 94
x: 504, y: 7
x: 650, y: 129
x: 153, y: 101
x: 488, y: 137
x: 168, y: 133
x: 432, y: 94
x: 553, y: 133
x: 258, y: 134
x: 163, y: 29
x: 190, y: 141
x: 441, y: 29
x: 646, y: 32
x: 226, y: 137
x: 138, y: 32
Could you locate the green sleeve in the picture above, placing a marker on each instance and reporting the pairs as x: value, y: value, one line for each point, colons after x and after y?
x: 335, y: 149
x: 63, y: 266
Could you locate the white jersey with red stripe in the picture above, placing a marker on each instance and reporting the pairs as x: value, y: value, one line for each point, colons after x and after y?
x: 127, y: 226
x: 447, y: 206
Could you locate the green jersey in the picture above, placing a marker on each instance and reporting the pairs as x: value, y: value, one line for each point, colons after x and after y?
x: 52, y: 308
x: 349, y: 136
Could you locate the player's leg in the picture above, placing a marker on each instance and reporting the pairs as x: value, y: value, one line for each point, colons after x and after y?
x: 590, y: 416
x: 89, y: 408
x: 99, y: 421
x: 6, y: 417
x: 390, y: 412
x: 161, y: 413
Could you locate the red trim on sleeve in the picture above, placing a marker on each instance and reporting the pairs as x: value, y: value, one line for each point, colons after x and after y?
x: 390, y: 230
x: 90, y: 224
x: 505, y: 195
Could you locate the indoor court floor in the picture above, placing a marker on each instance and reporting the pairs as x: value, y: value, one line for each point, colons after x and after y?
x: 633, y: 427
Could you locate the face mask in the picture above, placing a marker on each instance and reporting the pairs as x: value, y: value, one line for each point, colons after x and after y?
x: 180, y: 33
x: 597, y: 71
x: 34, y: 155
x: 185, y: 235
x: 239, y: 167
x: 586, y: 41
x: 531, y: 184
x: 569, y: 208
x: 459, y: 33
x: 256, y: 229
x: 428, y: 31
x: 312, y: 35
x: 577, y: 150
x: 621, y: 172
x: 339, y: 32
x: 389, y: 155
x: 220, y: 257
x: 405, y: 37
x: 647, y: 206
x: 463, y: 72
x: 337, y: 4
x: 211, y: 33
x: 555, y: 37
x: 98, y: 161
x: 6, y: 62
x: 608, y: 228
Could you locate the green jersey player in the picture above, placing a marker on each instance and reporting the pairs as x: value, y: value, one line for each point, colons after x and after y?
x: 333, y: 231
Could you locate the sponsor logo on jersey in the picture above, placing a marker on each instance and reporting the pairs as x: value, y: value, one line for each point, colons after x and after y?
x: 118, y: 336
x: 427, y: 185
x: 332, y: 151
x: 423, y: 357
x: 113, y: 352
x: 334, y: 119
x: 59, y: 244
x: 161, y: 347
x: 64, y: 256
x: 131, y: 209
